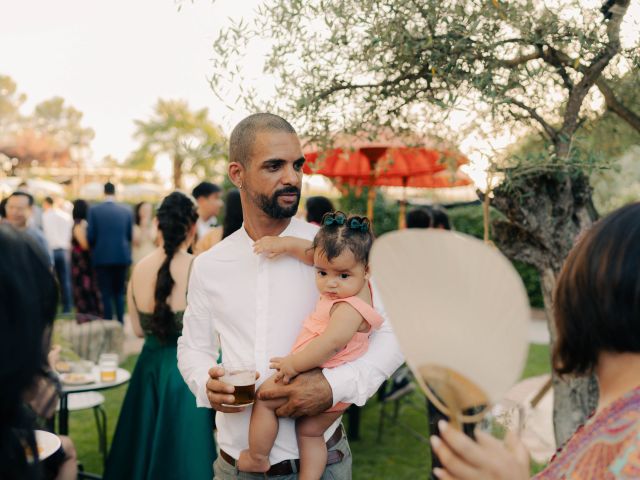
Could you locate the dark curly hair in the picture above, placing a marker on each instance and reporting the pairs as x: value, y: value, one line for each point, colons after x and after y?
x: 176, y: 216
x: 339, y: 232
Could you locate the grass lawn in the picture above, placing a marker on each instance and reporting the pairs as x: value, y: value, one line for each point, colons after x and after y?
x: 398, y: 455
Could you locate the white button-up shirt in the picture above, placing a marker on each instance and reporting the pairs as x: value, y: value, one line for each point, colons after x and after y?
x: 57, y: 226
x: 256, y: 307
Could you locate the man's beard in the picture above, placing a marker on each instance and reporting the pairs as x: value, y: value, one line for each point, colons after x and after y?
x: 270, y: 206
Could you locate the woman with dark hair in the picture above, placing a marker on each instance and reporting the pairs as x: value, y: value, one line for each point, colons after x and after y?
x: 597, y: 316
x: 144, y: 232
x: 28, y: 301
x: 440, y: 219
x: 86, y: 296
x: 159, y: 420
x: 316, y: 207
x: 232, y: 213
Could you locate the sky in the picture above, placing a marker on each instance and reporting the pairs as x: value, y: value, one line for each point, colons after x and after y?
x: 114, y: 59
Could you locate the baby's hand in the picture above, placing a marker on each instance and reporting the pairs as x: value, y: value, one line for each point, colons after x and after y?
x: 271, y: 246
x: 284, y: 365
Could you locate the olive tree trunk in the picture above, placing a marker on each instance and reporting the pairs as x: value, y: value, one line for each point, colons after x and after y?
x: 545, y: 211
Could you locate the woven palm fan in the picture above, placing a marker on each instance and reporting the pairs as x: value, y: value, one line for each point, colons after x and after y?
x: 460, y: 312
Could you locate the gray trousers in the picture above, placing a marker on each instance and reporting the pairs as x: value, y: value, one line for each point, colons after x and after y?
x: 338, y: 471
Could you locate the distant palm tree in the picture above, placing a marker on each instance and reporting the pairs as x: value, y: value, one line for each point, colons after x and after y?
x: 189, y: 138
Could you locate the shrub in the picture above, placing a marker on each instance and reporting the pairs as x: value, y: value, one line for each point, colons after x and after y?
x: 468, y: 219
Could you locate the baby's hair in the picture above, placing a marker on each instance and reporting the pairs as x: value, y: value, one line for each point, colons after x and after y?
x: 337, y: 232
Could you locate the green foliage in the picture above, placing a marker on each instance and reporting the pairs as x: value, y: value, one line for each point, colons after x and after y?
x: 385, y: 212
x: 359, y: 65
x: 10, y: 100
x: 469, y: 220
x: 53, y: 125
x: 605, y: 147
x: 63, y: 122
x: 188, y: 137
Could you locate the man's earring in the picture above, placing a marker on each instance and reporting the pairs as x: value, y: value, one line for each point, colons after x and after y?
x: 240, y: 186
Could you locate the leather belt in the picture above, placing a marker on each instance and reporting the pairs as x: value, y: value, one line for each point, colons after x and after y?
x: 289, y: 467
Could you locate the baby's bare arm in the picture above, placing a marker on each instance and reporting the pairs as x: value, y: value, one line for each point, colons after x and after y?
x: 296, y: 247
x: 343, y: 325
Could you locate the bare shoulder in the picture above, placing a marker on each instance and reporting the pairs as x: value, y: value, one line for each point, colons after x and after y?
x: 345, y: 311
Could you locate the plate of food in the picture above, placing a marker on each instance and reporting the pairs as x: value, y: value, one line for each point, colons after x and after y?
x: 63, y: 366
x: 77, y: 378
x: 47, y: 444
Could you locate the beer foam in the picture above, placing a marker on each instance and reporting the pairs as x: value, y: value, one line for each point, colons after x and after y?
x: 239, y: 378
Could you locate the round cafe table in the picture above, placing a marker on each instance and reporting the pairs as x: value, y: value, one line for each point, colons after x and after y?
x: 122, y: 377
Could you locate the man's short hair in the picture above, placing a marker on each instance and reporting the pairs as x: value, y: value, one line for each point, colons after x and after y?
x: 109, y: 188
x: 20, y: 193
x: 419, y: 218
x: 204, y: 189
x: 244, y: 134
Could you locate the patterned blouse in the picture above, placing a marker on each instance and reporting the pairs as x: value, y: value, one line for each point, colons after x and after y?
x: 606, y: 447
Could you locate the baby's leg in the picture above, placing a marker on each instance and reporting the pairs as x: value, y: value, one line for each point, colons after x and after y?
x: 263, y: 431
x: 313, y: 449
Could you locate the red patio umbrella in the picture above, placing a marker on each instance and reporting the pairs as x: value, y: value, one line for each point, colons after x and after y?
x: 385, y: 163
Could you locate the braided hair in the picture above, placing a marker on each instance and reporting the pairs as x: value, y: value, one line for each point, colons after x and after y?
x: 176, y: 216
x: 339, y: 232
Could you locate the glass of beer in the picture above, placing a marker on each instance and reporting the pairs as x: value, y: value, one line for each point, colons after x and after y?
x: 242, y: 375
x: 108, y: 365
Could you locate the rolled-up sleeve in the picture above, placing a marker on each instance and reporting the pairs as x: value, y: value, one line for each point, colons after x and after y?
x: 198, y: 345
x: 355, y: 382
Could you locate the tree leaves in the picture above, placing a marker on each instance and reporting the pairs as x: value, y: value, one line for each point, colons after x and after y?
x: 194, y: 143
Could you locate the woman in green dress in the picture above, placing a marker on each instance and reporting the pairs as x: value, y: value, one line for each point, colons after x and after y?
x: 160, y: 433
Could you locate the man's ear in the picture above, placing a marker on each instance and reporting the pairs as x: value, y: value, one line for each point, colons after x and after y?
x: 367, y: 272
x: 236, y: 174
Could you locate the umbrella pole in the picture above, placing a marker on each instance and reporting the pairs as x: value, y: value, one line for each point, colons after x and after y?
x: 371, y: 196
x: 402, y: 213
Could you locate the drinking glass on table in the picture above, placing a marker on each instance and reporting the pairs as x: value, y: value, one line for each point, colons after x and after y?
x: 108, y: 365
x: 242, y: 375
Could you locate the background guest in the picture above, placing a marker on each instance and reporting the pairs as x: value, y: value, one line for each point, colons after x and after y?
x: 144, y: 232
x: 85, y: 285
x: 19, y: 209
x: 57, y: 225
x: 419, y: 218
x: 109, y: 233
x: 440, y: 219
x: 28, y: 302
x: 35, y: 220
x: 159, y: 420
x: 207, y: 197
x: 232, y: 222
x: 316, y: 207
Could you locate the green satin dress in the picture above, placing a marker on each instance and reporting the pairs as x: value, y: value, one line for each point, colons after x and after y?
x: 161, y: 434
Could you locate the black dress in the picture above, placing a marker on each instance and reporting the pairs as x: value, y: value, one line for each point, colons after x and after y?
x: 86, y: 296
